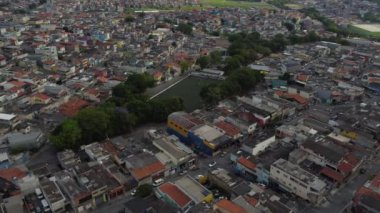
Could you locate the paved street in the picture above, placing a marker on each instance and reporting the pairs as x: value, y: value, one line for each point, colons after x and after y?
x: 338, y: 201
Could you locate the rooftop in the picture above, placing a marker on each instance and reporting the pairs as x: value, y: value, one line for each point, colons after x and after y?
x: 229, y: 206
x: 143, y: 165
x: 297, y: 172
x: 6, y: 117
x: 184, y: 119
x: 192, y: 188
x: 51, y: 191
x: 208, y: 133
x: 175, y: 194
x: 167, y: 144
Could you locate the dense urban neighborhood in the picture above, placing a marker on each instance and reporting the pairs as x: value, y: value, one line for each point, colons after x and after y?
x: 194, y: 106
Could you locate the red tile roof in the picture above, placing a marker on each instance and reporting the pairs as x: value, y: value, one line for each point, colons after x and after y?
x: 72, y: 107
x: 42, y: 96
x: 230, y: 207
x: 175, y: 194
x: 141, y: 173
x: 251, y: 200
x: 247, y: 163
x: 303, y: 77
x: 332, y: 174
x: 10, y: 174
x: 17, y: 83
x: 345, y: 167
x: 230, y: 129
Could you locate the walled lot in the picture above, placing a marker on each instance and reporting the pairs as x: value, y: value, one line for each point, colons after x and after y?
x: 188, y: 90
x: 369, y: 30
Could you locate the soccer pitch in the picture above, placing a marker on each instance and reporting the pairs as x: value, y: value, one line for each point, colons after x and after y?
x: 368, y: 30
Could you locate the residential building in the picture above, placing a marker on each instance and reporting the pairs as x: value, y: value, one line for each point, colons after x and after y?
x: 26, y: 141
x: 145, y: 167
x: 79, y: 197
x: 294, y: 179
x: 367, y: 197
x: 194, y: 190
x: 226, y: 206
x: 173, y: 195
x: 53, y: 195
x: 231, y: 184
x: 181, y: 157
x: 68, y: 159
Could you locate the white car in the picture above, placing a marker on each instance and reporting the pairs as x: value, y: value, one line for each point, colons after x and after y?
x: 133, y: 192
x: 212, y: 164
x: 158, y: 182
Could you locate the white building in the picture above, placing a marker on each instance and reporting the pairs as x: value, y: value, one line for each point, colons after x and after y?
x: 295, y: 180
x: 50, y: 51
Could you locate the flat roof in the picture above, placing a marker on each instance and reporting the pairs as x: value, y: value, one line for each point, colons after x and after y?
x: 51, y: 191
x: 192, y: 188
x: 297, y: 172
x: 208, y: 133
x: 165, y: 144
x: 7, y: 117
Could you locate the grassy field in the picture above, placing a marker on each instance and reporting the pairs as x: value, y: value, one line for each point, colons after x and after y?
x: 205, y: 4
x: 294, y: 6
x: 188, y: 90
x: 237, y: 4
x: 361, y: 31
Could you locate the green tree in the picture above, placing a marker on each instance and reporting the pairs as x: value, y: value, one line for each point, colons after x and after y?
x: 129, y: 18
x: 144, y: 190
x: 94, y: 124
x: 215, y: 57
x: 185, y: 65
x: 203, y: 61
x: 185, y: 28
x: 160, y: 109
x: 211, y: 94
x: 232, y: 63
x: 138, y: 83
x: 67, y: 135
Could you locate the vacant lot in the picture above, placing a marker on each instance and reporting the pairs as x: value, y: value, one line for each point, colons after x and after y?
x: 368, y: 30
x: 239, y: 4
x: 188, y: 90
x: 206, y: 4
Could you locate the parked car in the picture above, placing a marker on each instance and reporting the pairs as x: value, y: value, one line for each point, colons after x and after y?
x: 158, y: 182
x: 133, y: 192
x: 183, y: 172
x: 212, y: 164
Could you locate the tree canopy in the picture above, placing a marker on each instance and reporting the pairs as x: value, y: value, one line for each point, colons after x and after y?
x: 127, y: 108
x: 185, y: 28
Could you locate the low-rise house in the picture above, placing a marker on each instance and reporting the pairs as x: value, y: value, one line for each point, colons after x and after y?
x: 72, y: 107
x: 40, y: 98
x: 174, y: 196
x: 145, y: 167
x: 181, y: 157
x: 257, y: 144
x: 9, y: 120
x: 194, y: 190
x: 68, y: 158
x: 95, y: 152
x: 53, y: 195
x: 294, y: 179
x: 229, y: 129
x: 94, y: 178
x: 367, y: 197
x: 227, y: 206
x: 80, y: 199
x: 24, y: 180
x: 231, y: 184
x: 26, y: 140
